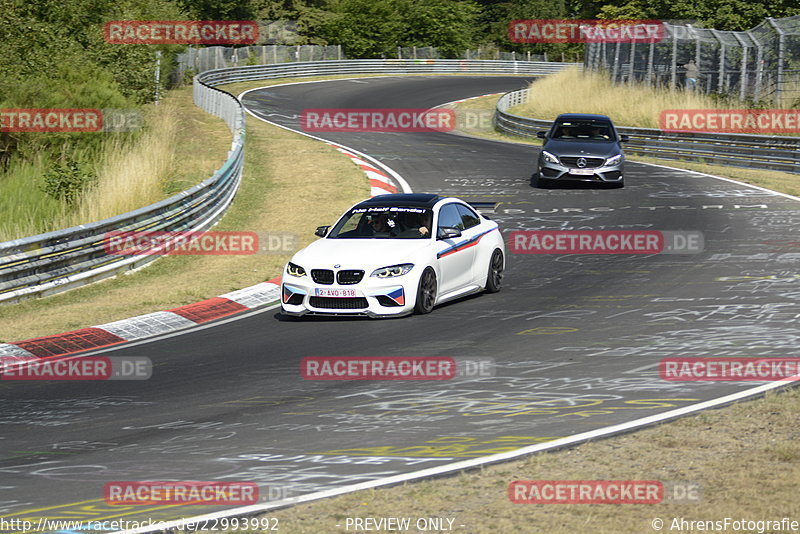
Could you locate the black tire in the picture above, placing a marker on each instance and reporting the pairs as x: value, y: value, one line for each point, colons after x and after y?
x: 494, y: 280
x: 426, y: 292
x: 541, y: 183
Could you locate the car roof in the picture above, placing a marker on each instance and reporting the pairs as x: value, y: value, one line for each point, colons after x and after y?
x: 583, y: 116
x: 426, y: 200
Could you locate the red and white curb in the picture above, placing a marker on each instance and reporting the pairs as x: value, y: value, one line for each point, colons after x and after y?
x: 380, y: 183
x: 142, y: 326
x: 183, y: 317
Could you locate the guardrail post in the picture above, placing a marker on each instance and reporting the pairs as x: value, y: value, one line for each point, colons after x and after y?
x: 721, y: 74
x: 632, y: 60
x: 781, y: 57
x: 759, y: 71
x: 615, y: 68
x: 158, y: 74
x: 674, y: 63
x: 743, y: 68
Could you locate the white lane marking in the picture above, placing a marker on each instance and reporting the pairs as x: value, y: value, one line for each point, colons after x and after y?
x: 731, y: 180
x: 400, y: 180
x: 467, y: 464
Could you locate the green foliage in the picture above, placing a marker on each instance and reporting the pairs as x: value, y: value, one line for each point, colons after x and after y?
x: 220, y: 9
x: 447, y: 25
x: 54, y: 54
x: 738, y: 15
x: 66, y: 180
x: 364, y: 28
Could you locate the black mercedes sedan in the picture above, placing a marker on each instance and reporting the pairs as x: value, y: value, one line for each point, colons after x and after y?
x: 581, y: 147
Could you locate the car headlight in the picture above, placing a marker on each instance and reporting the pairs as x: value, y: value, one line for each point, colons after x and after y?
x: 295, y: 270
x: 615, y: 160
x: 548, y: 157
x: 394, y: 270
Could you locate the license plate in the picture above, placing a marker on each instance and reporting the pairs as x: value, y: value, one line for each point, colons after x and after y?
x: 340, y: 293
x: 583, y: 172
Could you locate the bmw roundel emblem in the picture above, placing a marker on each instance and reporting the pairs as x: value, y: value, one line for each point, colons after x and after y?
x: 581, y: 162
x: 336, y: 266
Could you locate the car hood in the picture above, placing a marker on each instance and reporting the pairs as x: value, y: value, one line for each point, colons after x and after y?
x: 364, y: 254
x: 600, y: 149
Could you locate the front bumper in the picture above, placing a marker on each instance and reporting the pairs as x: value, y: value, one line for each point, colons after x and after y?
x: 603, y: 174
x: 368, y: 298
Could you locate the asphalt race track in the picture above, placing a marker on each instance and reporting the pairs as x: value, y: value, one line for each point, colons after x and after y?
x: 576, y: 338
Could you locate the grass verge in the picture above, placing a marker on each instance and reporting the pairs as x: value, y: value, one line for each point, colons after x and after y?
x: 287, y: 177
x: 484, y: 106
x: 745, y: 458
x: 129, y: 171
x: 635, y: 105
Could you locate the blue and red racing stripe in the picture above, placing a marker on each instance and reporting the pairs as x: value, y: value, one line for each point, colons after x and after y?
x: 464, y: 244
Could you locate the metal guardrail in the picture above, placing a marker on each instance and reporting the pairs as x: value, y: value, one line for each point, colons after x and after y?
x: 56, y: 261
x: 53, y: 262
x: 380, y: 66
x: 779, y: 153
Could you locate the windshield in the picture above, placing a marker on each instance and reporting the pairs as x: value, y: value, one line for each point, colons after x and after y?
x: 384, y: 222
x: 585, y: 130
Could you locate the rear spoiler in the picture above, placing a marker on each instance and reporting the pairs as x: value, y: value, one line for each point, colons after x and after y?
x: 484, y: 207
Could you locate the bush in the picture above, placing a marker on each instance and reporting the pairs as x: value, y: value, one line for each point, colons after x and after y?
x: 65, y: 181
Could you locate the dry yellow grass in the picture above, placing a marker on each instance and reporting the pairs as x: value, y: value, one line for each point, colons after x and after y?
x: 276, y: 195
x: 775, y: 180
x: 131, y: 177
x: 572, y: 91
x: 743, y: 457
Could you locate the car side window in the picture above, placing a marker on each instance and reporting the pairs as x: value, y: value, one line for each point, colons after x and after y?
x: 450, y: 217
x: 468, y: 217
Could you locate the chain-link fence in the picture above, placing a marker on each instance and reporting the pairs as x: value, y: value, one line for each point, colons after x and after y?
x: 196, y: 60
x: 761, y: 64
x: 488, y: 52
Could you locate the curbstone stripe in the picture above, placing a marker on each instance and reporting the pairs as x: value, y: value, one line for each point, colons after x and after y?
x: 182, y: 317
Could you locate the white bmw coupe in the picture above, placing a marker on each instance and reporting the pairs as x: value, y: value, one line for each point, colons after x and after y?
x: 394, y: 255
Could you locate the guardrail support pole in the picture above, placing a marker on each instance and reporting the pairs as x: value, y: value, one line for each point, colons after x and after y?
x: 781, y: 56
x: 674, y: 64
x: 632, y: 60
x: 721, y: 79
x: 743, y: 68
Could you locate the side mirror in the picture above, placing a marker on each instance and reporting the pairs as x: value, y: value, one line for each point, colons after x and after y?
x: 623, y: 138
x: 321, y: 231
x: 448, y: 232
x: 541, y: 135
